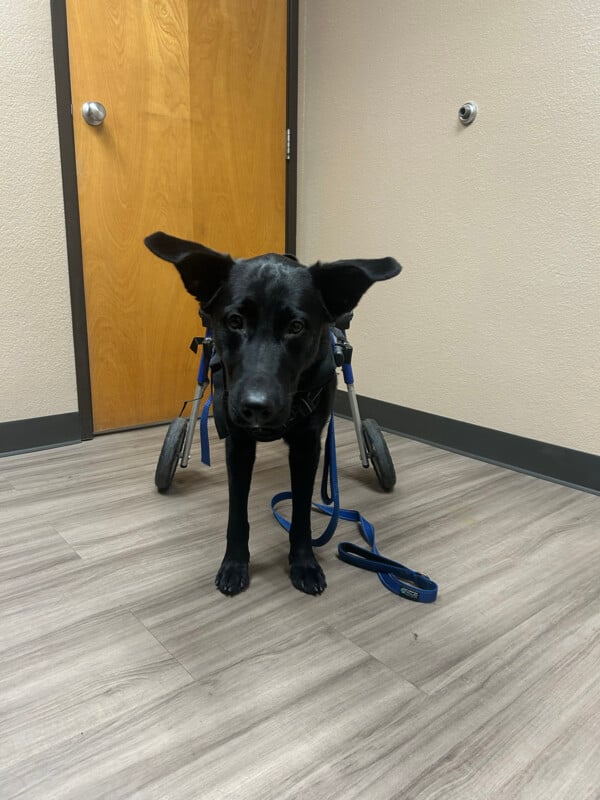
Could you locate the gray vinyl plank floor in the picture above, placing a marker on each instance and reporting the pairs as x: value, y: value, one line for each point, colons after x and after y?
x: 125, y: 674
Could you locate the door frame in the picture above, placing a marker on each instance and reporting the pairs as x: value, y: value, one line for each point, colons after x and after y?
x: 60, y: 48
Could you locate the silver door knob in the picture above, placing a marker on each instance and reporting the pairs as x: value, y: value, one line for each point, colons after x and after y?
x: 93, y: 113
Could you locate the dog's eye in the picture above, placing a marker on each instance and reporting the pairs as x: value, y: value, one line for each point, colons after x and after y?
x: 235, y: 322
x: 296, y: 327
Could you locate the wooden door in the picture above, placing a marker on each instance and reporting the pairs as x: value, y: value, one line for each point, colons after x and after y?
x: 193, y: 143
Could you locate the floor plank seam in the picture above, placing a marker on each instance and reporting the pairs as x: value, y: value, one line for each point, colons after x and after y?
x: 162, y: 644
x: 69, y: 545
x: 394, y: 672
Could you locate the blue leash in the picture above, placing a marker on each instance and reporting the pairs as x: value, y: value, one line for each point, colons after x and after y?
x: 392, y: 574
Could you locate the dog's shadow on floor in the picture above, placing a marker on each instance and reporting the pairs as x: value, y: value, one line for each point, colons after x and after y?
x: 191, y: 480
x: 195, y: 479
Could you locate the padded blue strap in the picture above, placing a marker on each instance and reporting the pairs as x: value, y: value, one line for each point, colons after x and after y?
x: 204, y: 439
x: 203, y: 377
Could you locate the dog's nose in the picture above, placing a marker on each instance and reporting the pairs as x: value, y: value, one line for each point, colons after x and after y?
x: 256, y: 408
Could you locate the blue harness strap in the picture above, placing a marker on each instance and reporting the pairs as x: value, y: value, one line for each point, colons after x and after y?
x: 396, y: 577
x: 204, y: 439
x: 203, y: 377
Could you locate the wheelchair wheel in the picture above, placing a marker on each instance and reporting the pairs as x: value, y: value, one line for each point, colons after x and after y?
x: 169, y: 455
x: 379, y: 455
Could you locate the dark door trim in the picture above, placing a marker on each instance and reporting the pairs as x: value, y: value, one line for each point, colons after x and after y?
x: 58, y: 11
x: 291, y: 182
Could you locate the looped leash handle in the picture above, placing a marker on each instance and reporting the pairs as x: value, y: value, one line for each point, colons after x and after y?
x: 392, y: 574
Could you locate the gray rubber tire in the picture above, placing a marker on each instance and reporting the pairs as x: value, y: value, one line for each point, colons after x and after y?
x: 169, y: 455
x: 379, y: 455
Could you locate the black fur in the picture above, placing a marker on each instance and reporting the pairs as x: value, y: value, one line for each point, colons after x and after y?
x: 270, y: 318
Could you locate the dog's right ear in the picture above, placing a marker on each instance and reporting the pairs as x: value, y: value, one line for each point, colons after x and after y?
x: 202, y: 270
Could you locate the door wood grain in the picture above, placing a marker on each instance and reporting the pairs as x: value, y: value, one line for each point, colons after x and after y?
x: 195, y: 99
x: 238, y: 105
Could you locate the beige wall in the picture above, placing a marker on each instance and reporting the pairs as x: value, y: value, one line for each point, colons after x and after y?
x: 37, y: 374
x: 495, y: 319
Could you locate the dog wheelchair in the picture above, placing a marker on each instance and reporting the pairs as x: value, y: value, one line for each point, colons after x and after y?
x: 397, y: 578
x: 177, y: 445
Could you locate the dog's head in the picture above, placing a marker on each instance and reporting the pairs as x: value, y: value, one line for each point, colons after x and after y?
x: 270, y: 317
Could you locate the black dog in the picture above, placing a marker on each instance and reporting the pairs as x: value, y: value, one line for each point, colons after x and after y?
x: 271, y: 319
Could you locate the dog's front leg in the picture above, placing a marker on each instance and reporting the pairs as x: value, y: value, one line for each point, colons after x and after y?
x: 233, y: 577
x: 305, y: 572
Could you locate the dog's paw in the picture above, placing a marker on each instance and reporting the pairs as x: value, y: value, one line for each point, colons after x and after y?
x: 233, y: 577
x: 307, y: 575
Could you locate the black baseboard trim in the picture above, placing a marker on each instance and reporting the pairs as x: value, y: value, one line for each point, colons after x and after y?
x: 39, y: 433
x: 549, y: 461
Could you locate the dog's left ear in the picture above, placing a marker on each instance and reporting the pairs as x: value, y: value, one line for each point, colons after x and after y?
x: 343, y: 283
x: 203, y: 271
